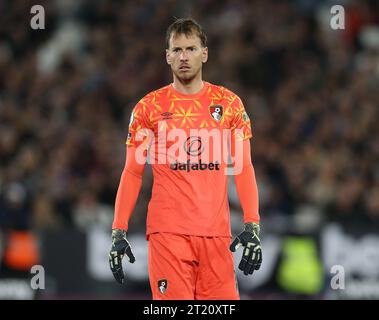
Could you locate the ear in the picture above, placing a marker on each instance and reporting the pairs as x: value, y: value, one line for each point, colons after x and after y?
x: 168, y: 59
x: 204, y: 55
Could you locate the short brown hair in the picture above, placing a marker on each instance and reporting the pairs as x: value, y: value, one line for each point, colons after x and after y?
x: 187, y: 26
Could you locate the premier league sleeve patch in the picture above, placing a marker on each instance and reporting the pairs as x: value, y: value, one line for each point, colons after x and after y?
x: 245, y: 117
x: 129, y: 138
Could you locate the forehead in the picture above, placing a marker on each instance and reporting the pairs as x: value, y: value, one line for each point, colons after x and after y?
x: 183, y: 40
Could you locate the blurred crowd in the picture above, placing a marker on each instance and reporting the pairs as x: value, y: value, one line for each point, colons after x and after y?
x: 67, y: 91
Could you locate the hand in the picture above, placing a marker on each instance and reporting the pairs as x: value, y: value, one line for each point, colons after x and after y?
x: 252, y: 253
x: 120, y: 246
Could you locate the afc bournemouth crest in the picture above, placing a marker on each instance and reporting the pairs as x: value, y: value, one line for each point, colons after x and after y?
x: 162, y: 285
x: 216, y: 111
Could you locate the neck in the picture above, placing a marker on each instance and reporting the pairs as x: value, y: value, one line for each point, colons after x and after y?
x: 188, y: 87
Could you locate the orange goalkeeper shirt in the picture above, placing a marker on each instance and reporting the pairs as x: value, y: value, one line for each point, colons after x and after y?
x: 187, y: 150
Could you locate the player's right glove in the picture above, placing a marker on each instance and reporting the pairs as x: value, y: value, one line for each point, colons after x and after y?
x: 120, y: 246
x: 252, y: 253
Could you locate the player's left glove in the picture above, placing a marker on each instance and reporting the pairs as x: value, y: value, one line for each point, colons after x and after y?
x: 252, y: 253
x: 120, y: 247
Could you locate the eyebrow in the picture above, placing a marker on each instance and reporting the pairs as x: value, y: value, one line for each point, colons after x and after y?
x: 189, y: 47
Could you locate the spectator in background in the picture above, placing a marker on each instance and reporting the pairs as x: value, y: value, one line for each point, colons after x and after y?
x: 66, y: 94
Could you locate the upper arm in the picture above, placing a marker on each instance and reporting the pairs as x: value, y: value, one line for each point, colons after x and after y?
x: 240, y: 123
x: 241, y: 133
x: 240, y: 154
x: 135, y: 162
x: 140, y: 129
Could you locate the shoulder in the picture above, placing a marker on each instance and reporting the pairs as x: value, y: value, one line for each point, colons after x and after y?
x: 224, y: 92
x: 152, y: 97
x: 148, y: 105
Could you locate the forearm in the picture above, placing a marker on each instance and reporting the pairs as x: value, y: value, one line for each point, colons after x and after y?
x: 247, y: 191
x: 126, y: 198
x: 246, y: 185
x: 128, y: 191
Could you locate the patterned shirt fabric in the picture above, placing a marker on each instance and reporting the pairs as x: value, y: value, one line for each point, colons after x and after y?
x: 187, y: 139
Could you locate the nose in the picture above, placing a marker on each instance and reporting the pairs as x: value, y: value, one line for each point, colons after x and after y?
x: 183, y: 56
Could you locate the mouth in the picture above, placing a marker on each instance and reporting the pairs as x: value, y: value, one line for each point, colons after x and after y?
x: 184, y: 68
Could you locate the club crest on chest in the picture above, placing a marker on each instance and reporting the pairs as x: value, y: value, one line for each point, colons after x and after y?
x: 216, y: 111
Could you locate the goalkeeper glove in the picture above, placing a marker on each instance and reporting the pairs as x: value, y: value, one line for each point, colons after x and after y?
x: 120, y: 246
x: 252, y: 253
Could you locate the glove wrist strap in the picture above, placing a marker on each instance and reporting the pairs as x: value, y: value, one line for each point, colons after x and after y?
x: 252, y: 227
x: 118, y: 234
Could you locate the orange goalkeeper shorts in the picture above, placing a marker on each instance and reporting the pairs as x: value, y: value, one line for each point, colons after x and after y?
x: 183, y: 267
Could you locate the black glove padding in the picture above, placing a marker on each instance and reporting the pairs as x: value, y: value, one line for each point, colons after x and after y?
x: 252, y: 253
x: 120, y: 247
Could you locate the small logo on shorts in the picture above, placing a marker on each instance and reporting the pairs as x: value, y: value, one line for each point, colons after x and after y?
x: 162, y: 285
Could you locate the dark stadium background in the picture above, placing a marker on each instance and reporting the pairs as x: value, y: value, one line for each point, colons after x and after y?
x: 66, y: 94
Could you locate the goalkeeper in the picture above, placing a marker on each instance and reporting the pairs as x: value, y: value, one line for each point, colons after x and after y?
x: 188, y: 222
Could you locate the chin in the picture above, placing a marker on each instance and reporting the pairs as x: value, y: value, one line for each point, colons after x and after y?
x: 185, y: 77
